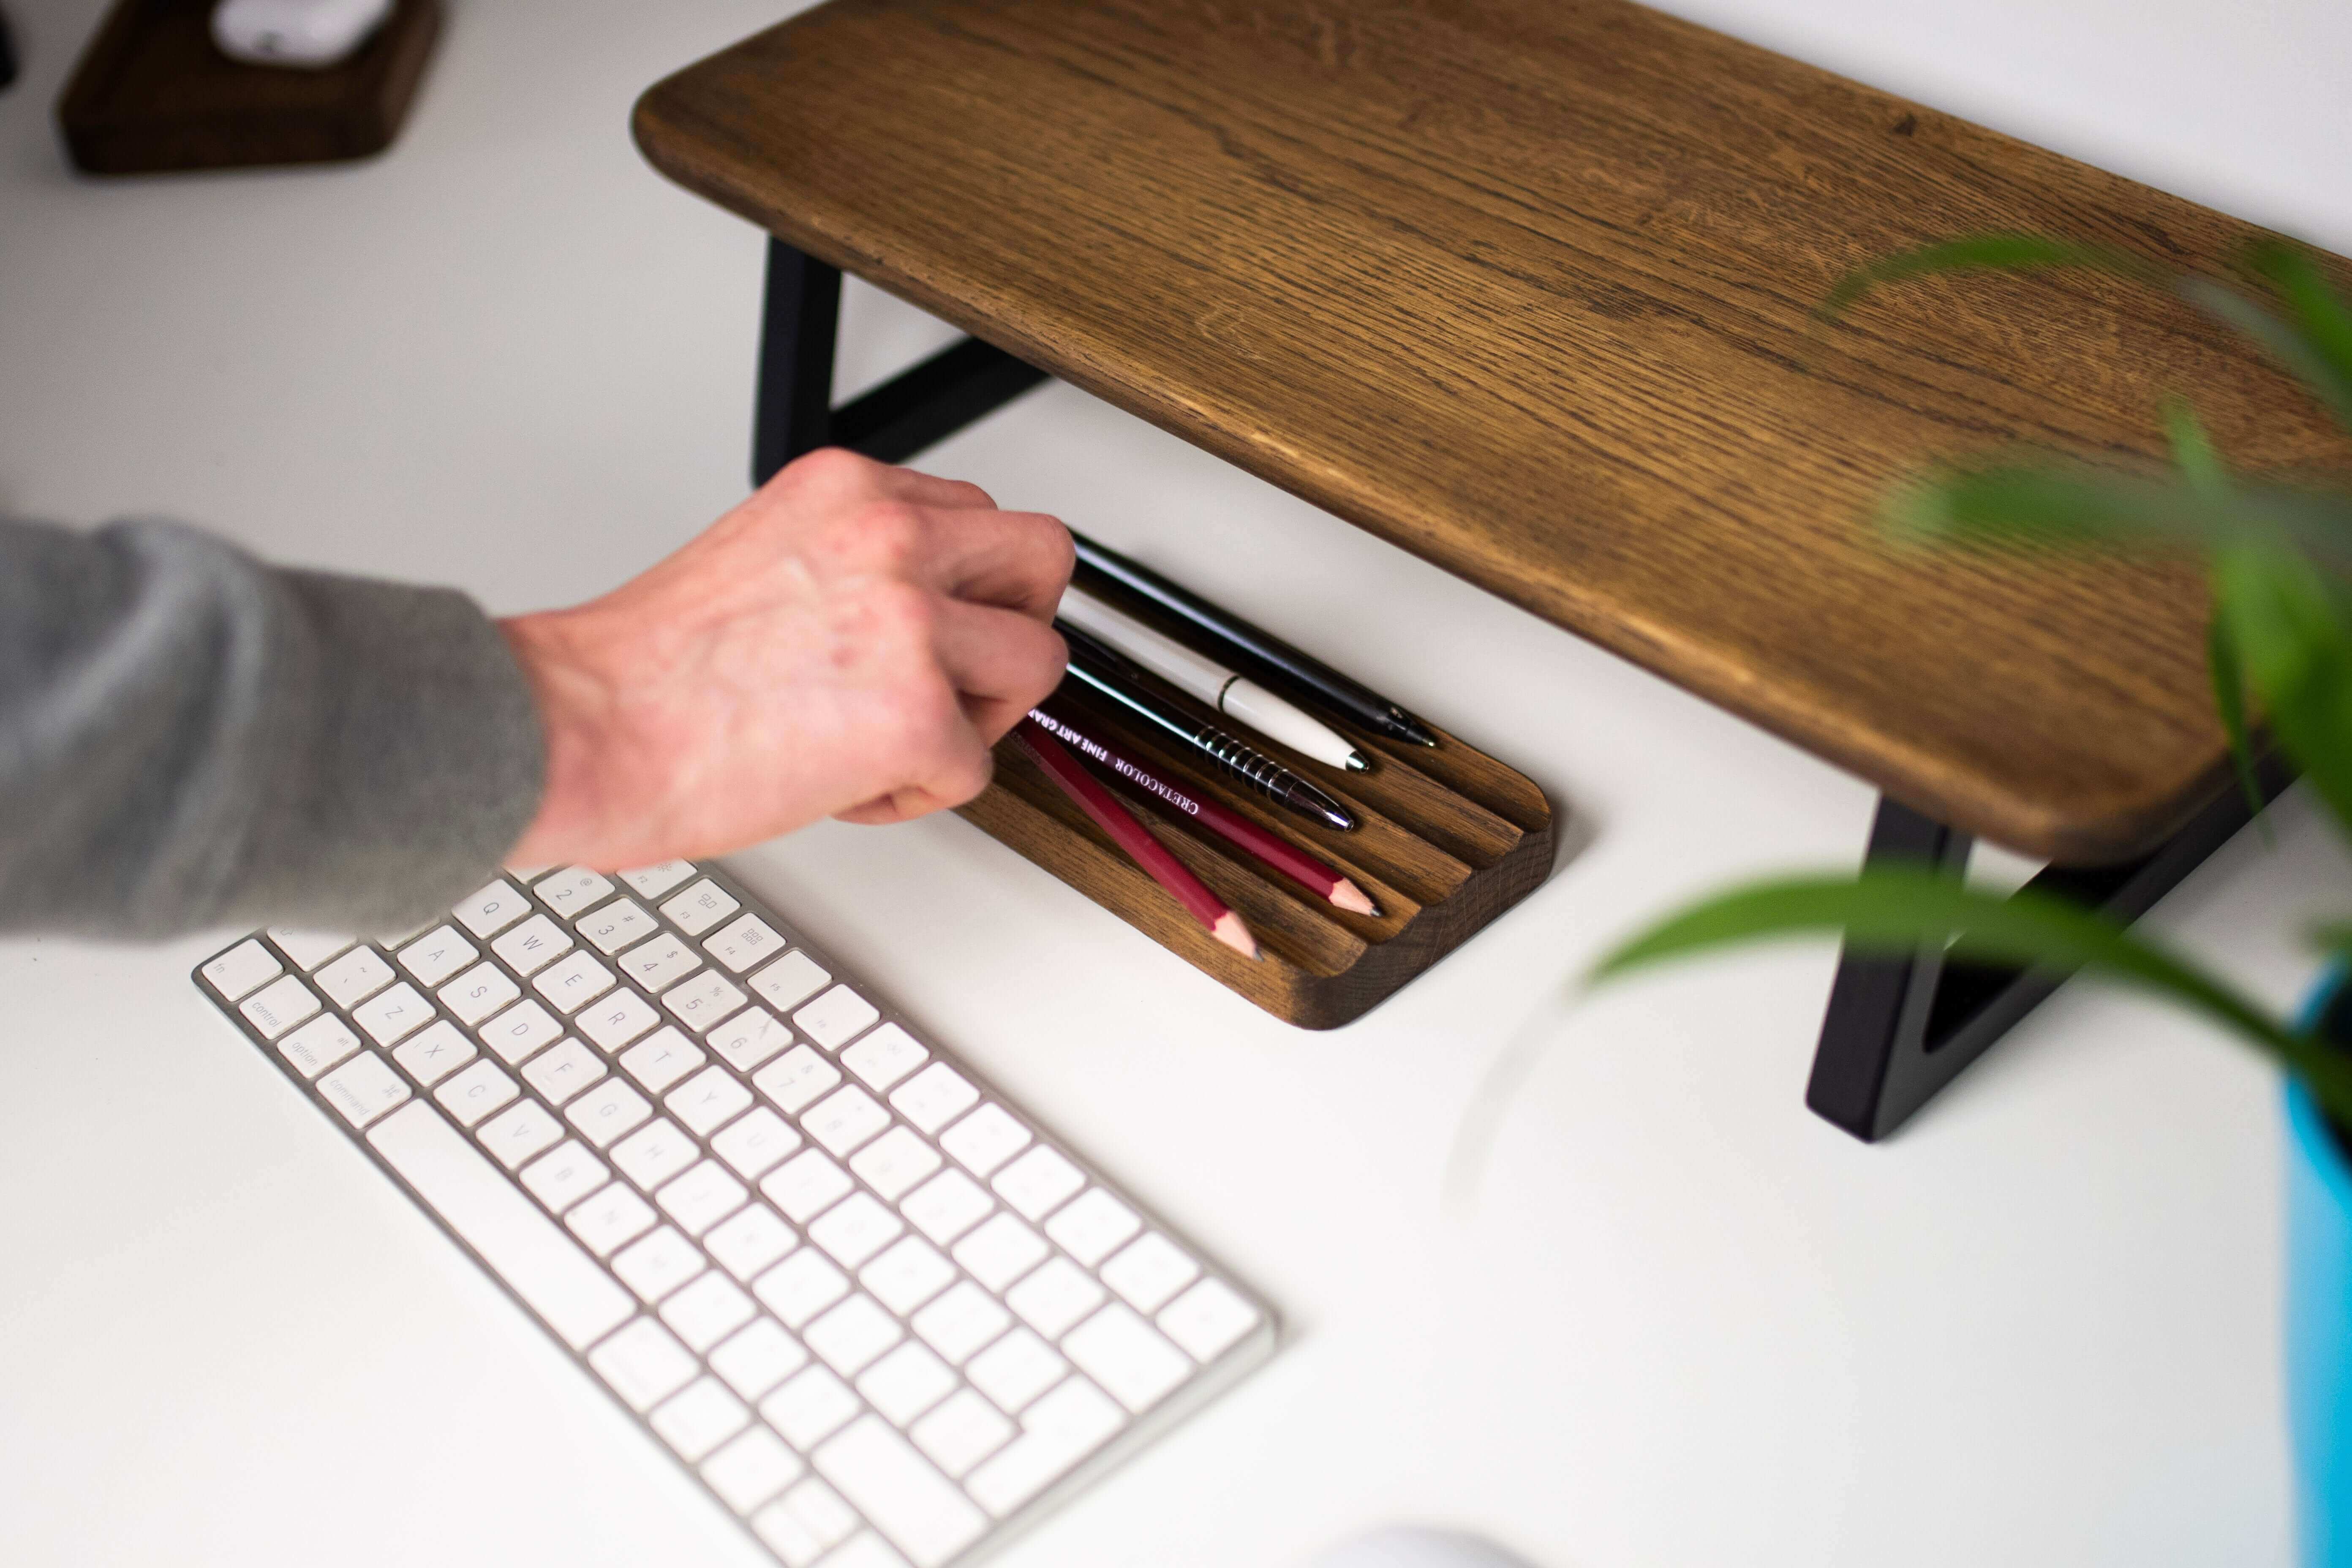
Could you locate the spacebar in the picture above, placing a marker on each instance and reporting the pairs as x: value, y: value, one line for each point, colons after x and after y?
x: 544, y: 1266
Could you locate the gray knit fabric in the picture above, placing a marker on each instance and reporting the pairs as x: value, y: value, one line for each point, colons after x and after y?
x: 191, y: 739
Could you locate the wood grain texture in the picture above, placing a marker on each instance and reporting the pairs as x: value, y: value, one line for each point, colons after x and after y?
x: 152, y: 94
x: 1527, y: 288
x: 1446, y: 840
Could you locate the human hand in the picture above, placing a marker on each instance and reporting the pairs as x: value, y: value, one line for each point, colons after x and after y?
x: 848, y: 642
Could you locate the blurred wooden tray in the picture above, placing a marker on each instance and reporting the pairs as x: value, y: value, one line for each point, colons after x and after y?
x: 153, y: 94
x: 1448, y: 839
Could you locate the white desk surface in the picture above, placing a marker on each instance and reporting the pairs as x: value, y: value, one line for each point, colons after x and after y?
x: 1684, y: 1323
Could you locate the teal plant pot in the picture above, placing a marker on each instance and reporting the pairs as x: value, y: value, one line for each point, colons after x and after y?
x: 2319, y: 1309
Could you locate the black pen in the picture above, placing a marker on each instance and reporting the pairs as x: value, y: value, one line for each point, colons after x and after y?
x: 1263, y: 649
x: 1123, y: 681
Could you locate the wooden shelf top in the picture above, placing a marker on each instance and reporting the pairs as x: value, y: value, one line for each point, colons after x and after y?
x: 1527, y: 286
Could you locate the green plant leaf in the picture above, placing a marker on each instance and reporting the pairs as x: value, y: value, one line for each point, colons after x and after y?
x: 2291, y: 629
x: 2333, y: 939
x: 1981, y: 253
x: 2282, y: 341
x: 1900, y: 909
x: 2316, y: 307
x: 2202, y: 466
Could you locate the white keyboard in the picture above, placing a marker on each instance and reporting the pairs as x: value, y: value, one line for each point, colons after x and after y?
x: 884, y: 1317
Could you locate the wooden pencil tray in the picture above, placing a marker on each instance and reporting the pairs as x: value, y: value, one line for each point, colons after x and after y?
x: 1447, y: 838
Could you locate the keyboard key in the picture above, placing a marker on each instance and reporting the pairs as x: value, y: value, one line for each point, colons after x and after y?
x: 609, y: 1219
x: 749, y: 1039
x: 749, y: 1241
x: 751, y: 1469
x: 308, y: 949
x: 907, y: 1275
x: 699, y: 1418
x: 521, y: 1029
x: 801, y: 1286
x: 1149, y: 1272
x: 241, y: 970
x: 702, y: 1197
x: 934, y: 1097
x: 573, y: 982
x: 701, y: 906
x: 513, y: 1136
x: 884, y: 1057
x: 790, y: 981
x: 810, y: 1405
x: 1208, y: 1318
x: 607, y: 1110
x: 278, y: 1006
x: 492, y: 909
x: 962, y: 1432
x: 851, y: 1334
x: 1000, y: 1251
x: 742, y: 943
x: 616, y: 1018
x: 392, y: 1015
x: 1091, y: 1228
x: 894, y: 1163
x: 644, y: 1363
x: 754, y: 1144
x: 962, y: 1321
x: 707, y: 1100
x: 565, y: 1175
x: 845, y: 1119
x: 660, y: 963
x: 1055, y: 1296
x: 1016, y: 1369
x: 947, y: 1205
x: 1036, y: 1184
x: 653, y: 881
x: 479, y: 993
x: 900, y: 1492
x: 867, y: 1551
x: 835, y: 1018
x: 905, y: 1382
x: 662, y: 1059
x: 520, y: 1244
x: 795, y: 1079
x: 357, y: 975
x: 701, y: 1002
x: 573, y: 891
x: 1069, y: 1424
x: 616, y: 925
x: 1127, y: 1356
x: 654, y: 1153
x: 787, y: 1537
x: 806, y: 1186
x: 707, y: 1311
x: 532, y: 945
x: 984, y: 1140
x: 759, y: 1357
x: 433, y: 1052
x: 568, y: 1069
x: 319, y: 1045
x: 437, y: 954
x: 856, y: 1229
x: 658, y: 1264
x: 474, y: 1093
x: 362, y: 1088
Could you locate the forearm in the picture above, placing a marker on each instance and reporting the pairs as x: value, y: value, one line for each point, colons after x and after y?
x: 189, y: 739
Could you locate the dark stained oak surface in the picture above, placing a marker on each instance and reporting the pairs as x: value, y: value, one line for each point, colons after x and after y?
x: 1527, y: 286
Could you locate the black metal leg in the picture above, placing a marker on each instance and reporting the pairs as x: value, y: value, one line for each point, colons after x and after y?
x: 1899, y: 1029
x: 794, y: 412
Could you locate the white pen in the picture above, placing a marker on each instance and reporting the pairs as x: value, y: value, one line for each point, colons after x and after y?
x: 1212, y: 682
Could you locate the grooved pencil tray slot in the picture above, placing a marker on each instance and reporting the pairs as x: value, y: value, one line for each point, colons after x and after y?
x: 1448, y: 839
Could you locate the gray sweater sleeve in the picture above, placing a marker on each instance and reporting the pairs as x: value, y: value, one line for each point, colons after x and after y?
x: 189, y: 738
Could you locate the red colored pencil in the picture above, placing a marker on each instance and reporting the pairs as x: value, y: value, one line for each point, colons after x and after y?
x: 1324, y: 881
x: 1131, y: 836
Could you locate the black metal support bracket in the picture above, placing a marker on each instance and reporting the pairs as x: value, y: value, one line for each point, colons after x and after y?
x: 794, y: 412
x: 1899, y: 1029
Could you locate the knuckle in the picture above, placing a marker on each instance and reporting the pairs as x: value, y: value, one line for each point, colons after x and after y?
x: 891, y: 533
x: 829, y: 466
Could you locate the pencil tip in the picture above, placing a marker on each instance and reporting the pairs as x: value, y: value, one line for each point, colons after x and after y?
x: 1230, y: 930
x: 1349, y: 896
x: 1409, y: 728
x: 1359, y: 763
